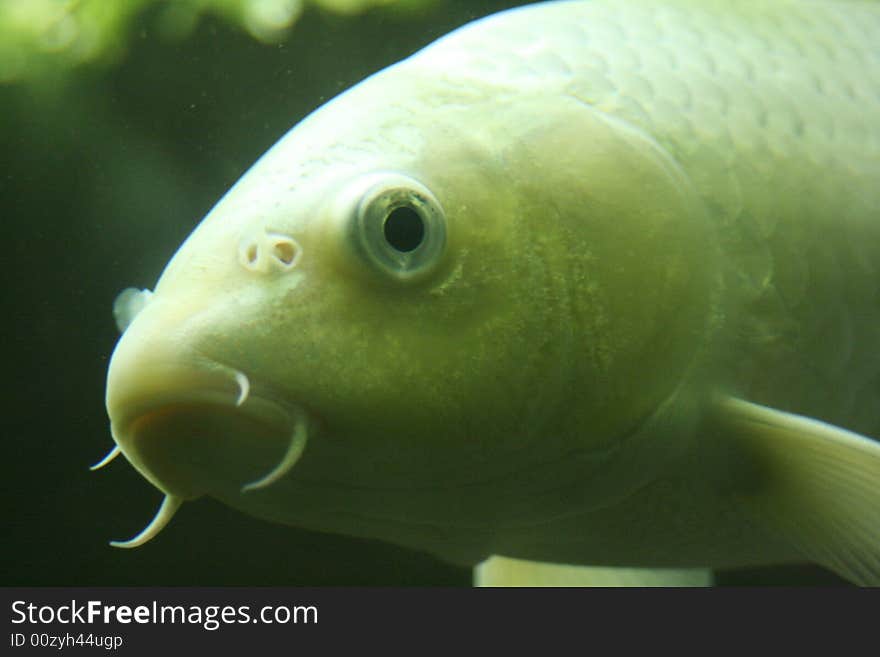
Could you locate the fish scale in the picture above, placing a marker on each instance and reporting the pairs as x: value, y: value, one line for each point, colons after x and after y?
x: 740, y: 93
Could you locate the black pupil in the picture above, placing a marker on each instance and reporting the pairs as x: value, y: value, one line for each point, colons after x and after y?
x: 404, y: 229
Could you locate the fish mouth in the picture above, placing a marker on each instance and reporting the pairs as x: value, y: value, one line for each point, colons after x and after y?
x: 197, y: 428
x: 192, y: 443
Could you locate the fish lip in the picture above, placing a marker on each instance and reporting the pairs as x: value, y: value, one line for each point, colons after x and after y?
x: 196, y: 378
x: 214, y: 397
x: 261, y: 406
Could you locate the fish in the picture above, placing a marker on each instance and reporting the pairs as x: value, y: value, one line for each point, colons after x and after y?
x: 584, y: 292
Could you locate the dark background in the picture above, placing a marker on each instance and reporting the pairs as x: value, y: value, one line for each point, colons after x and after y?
x: 104, y: 170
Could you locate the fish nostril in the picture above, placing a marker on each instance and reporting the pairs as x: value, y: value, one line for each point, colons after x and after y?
x: 269, y: 252
x: 251, y: 254
x: 286, y: 251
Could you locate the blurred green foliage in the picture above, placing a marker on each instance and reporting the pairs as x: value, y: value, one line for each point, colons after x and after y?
x: 42, y: 39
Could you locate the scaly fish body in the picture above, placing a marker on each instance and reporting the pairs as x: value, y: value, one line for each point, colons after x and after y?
x: 515, y: 288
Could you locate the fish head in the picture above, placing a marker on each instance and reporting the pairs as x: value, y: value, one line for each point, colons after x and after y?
x: 410, y: 320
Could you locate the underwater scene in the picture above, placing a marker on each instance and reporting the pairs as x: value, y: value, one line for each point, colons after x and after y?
x: 518, y: 295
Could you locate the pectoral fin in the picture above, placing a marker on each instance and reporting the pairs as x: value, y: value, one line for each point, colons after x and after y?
x: 817, y: 485
x: 128, y: 304
x: 503, y: 571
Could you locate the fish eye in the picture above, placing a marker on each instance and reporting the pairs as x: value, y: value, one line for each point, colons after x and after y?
x: 400, y: 226
x: 404, y: 229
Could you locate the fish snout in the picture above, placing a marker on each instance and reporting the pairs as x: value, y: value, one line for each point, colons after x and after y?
x: 268, y: 252
x: 193, y: 427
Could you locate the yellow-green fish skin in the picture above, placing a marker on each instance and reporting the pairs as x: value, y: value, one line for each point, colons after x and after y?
x: 772, y: 110
x: 649, y: 204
